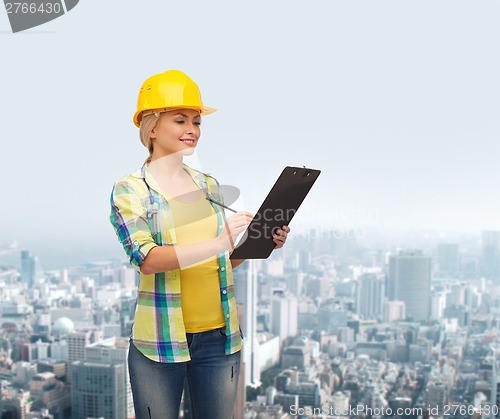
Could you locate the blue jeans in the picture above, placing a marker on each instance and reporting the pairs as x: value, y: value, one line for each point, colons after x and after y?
x: 212, y: 377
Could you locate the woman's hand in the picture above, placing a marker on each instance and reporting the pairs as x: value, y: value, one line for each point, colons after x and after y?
x: 235, y: 225
x: 279, y: 237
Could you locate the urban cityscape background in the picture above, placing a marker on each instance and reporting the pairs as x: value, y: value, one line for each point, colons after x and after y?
x: 395, y: 101
x: 334, y: 328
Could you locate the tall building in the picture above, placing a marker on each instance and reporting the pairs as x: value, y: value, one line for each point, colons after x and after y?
x: 436, y: 396
x: 31, y: 269
x: 438, y: 304
x: 491, y: 254
x: 456, y: 296
x: 295, y: 282
x: 410, y: 281
x: 304, y: 260
x: 284, y: 315
x: 448, y: 259
x: 77, y: 341
x: 98, y: 390
x: 245, y: 289
x: 110, y: 352
x: 370, y: 296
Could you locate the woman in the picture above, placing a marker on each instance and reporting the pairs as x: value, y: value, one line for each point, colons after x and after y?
x: 168, y: 218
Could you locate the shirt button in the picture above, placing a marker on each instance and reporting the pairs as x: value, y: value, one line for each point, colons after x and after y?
x: 227, y: 316
x: 224, y: 292
x: 136, y: 242
x: 223, y: 269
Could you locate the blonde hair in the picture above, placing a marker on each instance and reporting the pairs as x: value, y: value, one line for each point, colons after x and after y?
x: 148, y: 123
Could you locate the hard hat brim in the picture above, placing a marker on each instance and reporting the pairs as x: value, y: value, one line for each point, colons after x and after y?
x: 203, y: 111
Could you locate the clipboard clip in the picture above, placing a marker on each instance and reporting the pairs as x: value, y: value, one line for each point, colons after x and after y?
x: 306, y: 173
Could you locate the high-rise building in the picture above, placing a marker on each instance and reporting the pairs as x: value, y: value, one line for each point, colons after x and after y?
x: 113, y: 351
x: 438, y: 304
x: 98, y: 390
x: 77, y: 341
x: 436, y: 397
x: 245, y: 289
x: 456, y: 297
x: 304, y: 260
x: 491, y: 254
x: 370, y: 295
x: 284, y: 315
x: 31, y: 269
x: 410, y: 281
x: 295, y: 281
x: 448, y: 259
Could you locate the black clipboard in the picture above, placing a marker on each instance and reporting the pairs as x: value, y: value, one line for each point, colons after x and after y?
x: 279, y: 207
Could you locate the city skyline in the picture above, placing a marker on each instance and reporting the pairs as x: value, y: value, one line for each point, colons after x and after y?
x: 329, y: 326
x: 73, y: 254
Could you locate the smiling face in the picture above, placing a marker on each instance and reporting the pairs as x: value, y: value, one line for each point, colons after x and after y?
x: 177, y: 131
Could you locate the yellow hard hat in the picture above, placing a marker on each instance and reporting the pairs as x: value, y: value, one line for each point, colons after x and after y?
x: 169, y: 90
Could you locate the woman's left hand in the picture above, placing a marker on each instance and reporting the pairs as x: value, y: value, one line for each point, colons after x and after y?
x: 279, y: 237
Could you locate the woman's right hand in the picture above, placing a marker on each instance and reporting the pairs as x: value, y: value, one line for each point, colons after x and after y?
x: 235, y: 225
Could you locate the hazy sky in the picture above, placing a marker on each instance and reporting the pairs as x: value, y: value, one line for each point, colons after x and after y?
x: 397, y: 102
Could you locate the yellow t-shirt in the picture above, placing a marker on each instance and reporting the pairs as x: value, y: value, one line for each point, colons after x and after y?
x: 200, y: 289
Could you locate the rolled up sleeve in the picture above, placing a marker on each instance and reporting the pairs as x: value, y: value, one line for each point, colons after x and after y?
x: 129, y: 220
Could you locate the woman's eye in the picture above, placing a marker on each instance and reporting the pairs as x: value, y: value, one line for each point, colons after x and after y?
x: 197, y: 123
x: 180, y: 122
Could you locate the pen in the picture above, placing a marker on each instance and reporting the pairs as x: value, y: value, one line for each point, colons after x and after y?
x: 222, y: 205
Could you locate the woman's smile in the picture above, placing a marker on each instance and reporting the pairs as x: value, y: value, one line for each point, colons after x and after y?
x: 189, y: 141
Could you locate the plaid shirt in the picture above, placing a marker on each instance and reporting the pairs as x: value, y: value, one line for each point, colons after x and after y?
x: 142, y: 219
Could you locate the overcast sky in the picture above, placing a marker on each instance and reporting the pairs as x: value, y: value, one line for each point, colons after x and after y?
x: 397, y: 102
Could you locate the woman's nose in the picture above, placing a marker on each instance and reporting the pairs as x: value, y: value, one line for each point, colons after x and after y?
x: 191, y: 128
